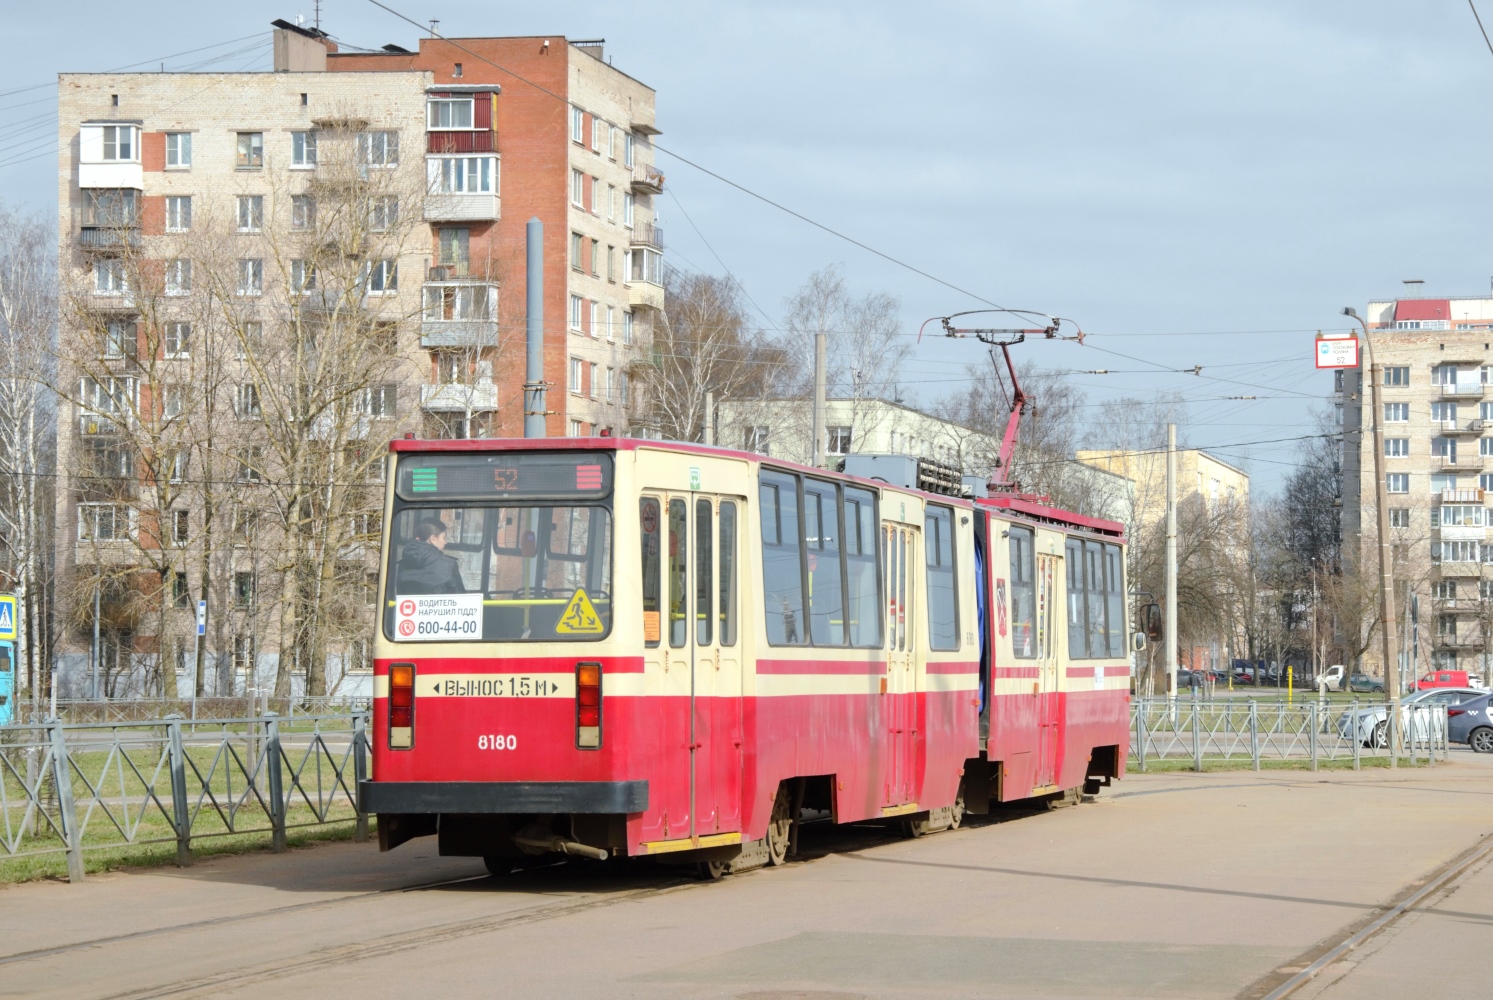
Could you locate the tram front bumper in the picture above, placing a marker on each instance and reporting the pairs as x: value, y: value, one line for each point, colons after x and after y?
x: 503, y: 796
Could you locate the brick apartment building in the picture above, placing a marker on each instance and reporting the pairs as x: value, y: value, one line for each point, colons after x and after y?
x: 1438, y: 410
x: 224, y: 235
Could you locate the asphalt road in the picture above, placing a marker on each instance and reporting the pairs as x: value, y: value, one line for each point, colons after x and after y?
x: 1170, y: 885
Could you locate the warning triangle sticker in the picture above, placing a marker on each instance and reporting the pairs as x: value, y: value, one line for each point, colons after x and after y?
x: 580, y: 617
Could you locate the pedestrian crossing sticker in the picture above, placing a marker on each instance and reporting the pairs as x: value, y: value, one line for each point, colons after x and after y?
x: 580, y: 617
x: 8, y: 617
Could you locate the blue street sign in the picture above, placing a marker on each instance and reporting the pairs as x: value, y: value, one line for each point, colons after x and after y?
x: 9, y: 617
x: 202, y: 618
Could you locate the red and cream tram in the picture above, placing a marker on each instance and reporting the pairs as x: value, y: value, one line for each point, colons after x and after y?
x: 611, y: 647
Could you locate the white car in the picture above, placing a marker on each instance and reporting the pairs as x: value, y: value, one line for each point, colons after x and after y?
x: 1423, y: 710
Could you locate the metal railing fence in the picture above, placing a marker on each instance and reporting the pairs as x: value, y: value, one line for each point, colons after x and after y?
x: 1315, y: 730
x: 100, y: 710
x: 71, y: 788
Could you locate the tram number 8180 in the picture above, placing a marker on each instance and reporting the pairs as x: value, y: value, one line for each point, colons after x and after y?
x: 496, y: 742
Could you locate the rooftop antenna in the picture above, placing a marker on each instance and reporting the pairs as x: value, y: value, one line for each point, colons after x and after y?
x: 433, y: 23
x: 316, y: 12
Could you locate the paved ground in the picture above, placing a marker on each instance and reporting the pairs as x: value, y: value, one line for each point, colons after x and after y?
x: 1173, y: 885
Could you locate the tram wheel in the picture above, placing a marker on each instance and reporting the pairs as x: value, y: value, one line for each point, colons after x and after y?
x: 498, y: 866
x: 779, y: 826
x: 956, y: 811
x: 714, y: 871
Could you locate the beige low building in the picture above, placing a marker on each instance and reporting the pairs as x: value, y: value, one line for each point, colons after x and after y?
x: 1198, y: 474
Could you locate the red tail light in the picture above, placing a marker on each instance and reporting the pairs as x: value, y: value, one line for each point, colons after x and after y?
x: 401, y: 706
x: 588, y: 705
x: 1454, y: 711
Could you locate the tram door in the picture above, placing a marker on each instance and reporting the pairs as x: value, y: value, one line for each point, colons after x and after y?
x: 703, y: 662
x: 1048, y: 607
x: 899, y: 546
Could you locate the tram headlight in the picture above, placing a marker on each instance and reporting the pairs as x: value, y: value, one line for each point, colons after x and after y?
x: 401, y: 706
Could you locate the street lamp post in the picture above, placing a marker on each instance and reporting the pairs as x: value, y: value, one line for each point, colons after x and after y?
x: 1386, y: 558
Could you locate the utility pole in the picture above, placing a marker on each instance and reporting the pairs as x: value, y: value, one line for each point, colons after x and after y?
x: 1386, y: 555
x: 534, y: 401
x: 709, y: 418
x: 819, y: 380
x: 1170, y: 650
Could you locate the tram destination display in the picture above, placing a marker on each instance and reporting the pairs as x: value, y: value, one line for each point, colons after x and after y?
x: 504, y: 475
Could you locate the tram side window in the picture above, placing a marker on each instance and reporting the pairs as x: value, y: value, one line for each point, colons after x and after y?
x: 826, y: 588
x: 648, y: 518
x: 704, y: 575
x: 782, y: 568
x: 862, y: 601
x: 1094, y: 586
x: 943, y: 593
x: 728, y: 573
x: 1114, y: 581
x: 678, y: 572
x: 1023, y: 593
x: 1073, y: 562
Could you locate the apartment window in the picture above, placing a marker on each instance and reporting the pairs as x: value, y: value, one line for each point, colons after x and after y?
x: 243, y: 653
x: 181, y: 594
x: 450, y: 367
x: 591, y: 386
x: 1398, y: 482
x: 250, y: 213
x: 459, y: 302
x: 577, y: 429
x: 611, y: 384
x: 576, y: 242
x: 119, y: 339
x: 1485, y: 447
x: 755, y: 439
x: 112, y: 207
x: 597, y: 128
x: 1397, y: 375
x: 302, y: 212
x: 178, y: 214
x: 379, y: 400
x: 1444, y: 590
x: 1440, y: 412
x: 251, y: 465
x: 383, y: 277
x: 577, y: 304
x: 593, y: 318
x: 612, y: 143
x: 181, y: 528
x: 378, y: 149
x: 596, y: 258
x: 173, y: 400
x: 178, y: 150
x: 1458, y: 552
x: 462, y: 174
x: 178, y: 277
x: 577, y: 188
x: 302, y: 149
x: 120, y: 143
x: 1337, y: 381
x: 1399, y: 517
x: 383, y: 213
x: 250, y: 339
x: 622, y: 387
x: 575, y: 375
x: 627, y: 208
x: 627, y: 148
x: 1443, y: 374
x: 246, y: 401
x: 449, y: 113
x: 104, y: 522
x: 837, y: 440
x: 455, y: 246
x: 1396, y: 413
x: 1485, y: 589
x: 647, y: 265
x: 109, y: 277
x: 611, y: 203
x: 1457, y: 516
x: 593, y: 200
x: 577, y: 125
x: 1441, y: 482
x: 611, y: 322
x: 176, y: 466
x: 358, y: 661
x: 1396, y: 447
x: 302, y: 276
x: 1446, y: 448
x: 176, y: 340
x: 109, y: 397
x: 243, y: 589
x: 627, y: 327
x: 251, y: 277
x: 1446, y: 626
x: 250, y: 151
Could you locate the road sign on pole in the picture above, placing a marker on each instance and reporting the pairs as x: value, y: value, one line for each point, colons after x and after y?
x: 1337, y: 350
x: 10, y: 618
x: 201, y: 617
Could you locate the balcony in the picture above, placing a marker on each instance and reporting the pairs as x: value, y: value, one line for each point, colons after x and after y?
x: 1459, y: 463
x: 111, y: 174
x: 1462, y: 390
x: 1462, y: 532
x: 484, y: 141
x: 645, y: 295
x: 107, y: 238
x: 456, y: 313
x: 456, y: 398
x: 646, y: 234
x: 1461, y: 496
x: 1458, y: 428
x: 93, y: 425
x: 647, y: 179
x: 462, y: 207
x: 1460, y: 570
x: 1472, y: 642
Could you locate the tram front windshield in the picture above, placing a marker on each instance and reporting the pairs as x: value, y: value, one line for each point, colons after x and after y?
x: 528, y: 565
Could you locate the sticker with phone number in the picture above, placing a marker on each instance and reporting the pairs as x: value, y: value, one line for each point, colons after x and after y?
x: 438, y: 617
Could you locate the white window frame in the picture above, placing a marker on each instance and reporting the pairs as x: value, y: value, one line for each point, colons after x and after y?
x: 383, y: 213
x: 122, y: 522
x: 1399, y: 517
x: 249, y: 151
x: 110, y: 277
x: 302, y: 276
x: 595, y: 319
x: 611, y: 324
x: 176, y: 340
x: 627, y: 206
x: 173, y: 400
x: 181, y: 527
x: 577, y: 188
x: 628, y: 143
x: 575, y: 376
x: 611, y: 385
x: 383, y: 276
x: 123, y: 141
x: 577, y: 124
x: 1397, y: 479
x: 378, y: 149
x: 247, y: 404
x: 627, y: 327
x: 250, y: 214
x: 438, y: 107
x: 302, y: 212
x: 178, y: 277
x: 576, y: 305
x: 591, y: 387
x: 596, y: 126
x: 178, y: 151
x: 303, y: 150
x: 1396, y: 413
x: 179, y: 213
x: 1396, y: 447
x: 250, y: 276
x: 475, y: 173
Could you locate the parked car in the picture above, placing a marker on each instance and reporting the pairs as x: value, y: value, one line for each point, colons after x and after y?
x: 1371, y: 725
x: 1363, y: 683
x: 1334, y: 678
x: 1470, y: 722
x: 1448, y: 679
x: 1244, y: 675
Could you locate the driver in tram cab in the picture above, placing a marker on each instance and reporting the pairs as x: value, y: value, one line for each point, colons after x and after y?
x: 424, y: 568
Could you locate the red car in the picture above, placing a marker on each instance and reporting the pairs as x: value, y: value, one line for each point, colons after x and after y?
x: 1446, y: 679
